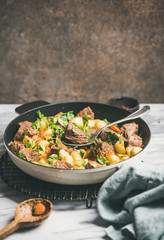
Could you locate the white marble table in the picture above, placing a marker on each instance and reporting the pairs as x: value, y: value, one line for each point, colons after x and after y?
x: 71, y: 220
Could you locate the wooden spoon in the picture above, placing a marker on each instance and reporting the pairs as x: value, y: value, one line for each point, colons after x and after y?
x: 24, y: 216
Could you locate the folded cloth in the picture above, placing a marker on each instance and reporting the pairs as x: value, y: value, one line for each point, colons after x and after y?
x: 132, y: 201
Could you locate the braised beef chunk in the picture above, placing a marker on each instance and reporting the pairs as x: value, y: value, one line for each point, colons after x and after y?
x: 135, y: 140
x: 75, y: 135
x: 130, y: 131
x: 86, y: 111
x: 103, y: 148
x: 109, y: 135
x: 23, y: 126
x: 129, y: 128
x: 55, y: 148
x: 26, y: 152
x: 93, y: 164
x: 15, y: 146
x: 62, y: 164
x: 29, y: 154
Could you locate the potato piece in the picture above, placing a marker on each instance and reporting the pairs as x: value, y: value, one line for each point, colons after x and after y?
x: 44, y: 143
x: 48, y: 132
x: 112, y: 159
x: 27, y: 139
x: 77, y: 120
x: 128, y: 150
x: 135, y: 150
x: 68, y: 159
x: 91, y: 123
x: 57, y: 116
x: 43, y: 124
x: 119, y: 146
x: 99, y: 124
x: 123, y: 157
x: 63, y: 154
x: 77, y: 159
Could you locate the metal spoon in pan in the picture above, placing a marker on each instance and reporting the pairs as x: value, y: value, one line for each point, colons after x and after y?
x: 132, y: 116
x: 24, y: 216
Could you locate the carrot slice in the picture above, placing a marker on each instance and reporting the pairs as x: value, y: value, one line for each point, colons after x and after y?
x: 116, y: 129
x: 39, y: 209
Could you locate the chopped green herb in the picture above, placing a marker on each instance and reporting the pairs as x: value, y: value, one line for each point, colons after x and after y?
x: 39, y: 149
x: 28, y: 144
x: 106, y: 121
x: 58, y: 142
x: 25, y: 131
x: 120, y: 140
x: 77, y: 165
x: 112, y: 135
x: 36, y: 124
x: 80, y: 127
x: 63, y: 121
x: 80, y: 152
x: 85, y: 119
x: 40, y: 115
x: 84, y: 162
x: 52, y: 158
x: 89, y: 135
x: 102, y: 160
x: 20, y: 155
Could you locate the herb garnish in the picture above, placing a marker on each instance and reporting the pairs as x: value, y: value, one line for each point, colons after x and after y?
x: 102, y: 160
x: 20, y: 155
x: 36, y: 124
x: 85, y: 119
x: 40, y: 115
x: 112, y: 135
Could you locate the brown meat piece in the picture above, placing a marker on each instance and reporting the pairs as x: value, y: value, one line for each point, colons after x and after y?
x: 55, y: 148
x: 129, y: 129
x: 86, y: 111
x: 135, y: 140
x: 16, y: 146
x: 23, y: 126
x: 93, y: 164
x: 74, y: 134
x: 29, y: 154
x: 103, y: 148
x: 62, y: 164
x: 105, y: 137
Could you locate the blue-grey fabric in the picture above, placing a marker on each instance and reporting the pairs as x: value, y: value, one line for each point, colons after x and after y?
x: 132, y: 201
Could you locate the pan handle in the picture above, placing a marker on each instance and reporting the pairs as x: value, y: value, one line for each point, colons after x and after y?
x: 28, y: 106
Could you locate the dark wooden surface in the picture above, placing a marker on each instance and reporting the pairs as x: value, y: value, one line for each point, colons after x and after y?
x: 81, y: 50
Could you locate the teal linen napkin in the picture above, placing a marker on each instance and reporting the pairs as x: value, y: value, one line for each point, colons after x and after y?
x: 132, y: 201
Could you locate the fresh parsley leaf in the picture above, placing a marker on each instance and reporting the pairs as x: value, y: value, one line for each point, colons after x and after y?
x: 84, y: 162
x: 80, y: 152
x: 106, y: 121
x: 85, y: 119
x: 112, y: 135
x: 101, y: 160
x: 20, y: 155
x: 63, y: 121
x: 80, y: 127
x: 25, y: 131
x: 58, y: 142
x: 69, y: 115
x: 40, y: 115
x: 39, y: 149
x: 52, y: 158
x: 28, y: 144
x: 36, y: 124
x: 120, y: 140
x: 89, y: 135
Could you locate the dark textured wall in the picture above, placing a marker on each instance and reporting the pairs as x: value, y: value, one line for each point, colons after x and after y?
x: 81, y: 50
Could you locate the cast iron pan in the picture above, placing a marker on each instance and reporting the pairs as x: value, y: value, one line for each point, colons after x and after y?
x: 69, y: 176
